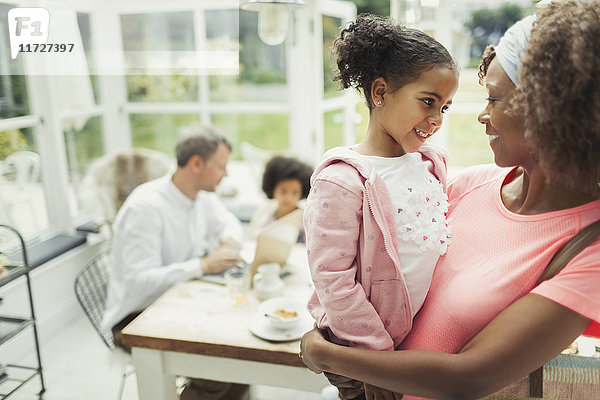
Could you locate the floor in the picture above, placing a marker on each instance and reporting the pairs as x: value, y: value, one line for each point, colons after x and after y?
x: 78, y: 366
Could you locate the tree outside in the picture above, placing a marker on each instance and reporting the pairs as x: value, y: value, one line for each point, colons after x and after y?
x: 487, y: 25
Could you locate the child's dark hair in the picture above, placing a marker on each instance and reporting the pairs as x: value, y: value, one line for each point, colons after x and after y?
x: 372, y: 47
x: 280, y: 168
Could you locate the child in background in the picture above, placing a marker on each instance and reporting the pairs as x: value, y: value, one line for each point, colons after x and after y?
x: 375, y: 217
x: 285, y: 181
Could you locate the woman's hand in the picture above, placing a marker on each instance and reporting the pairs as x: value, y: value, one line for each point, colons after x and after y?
x: 376, y: 393
x: 309, y: 342
x: 347, y: 387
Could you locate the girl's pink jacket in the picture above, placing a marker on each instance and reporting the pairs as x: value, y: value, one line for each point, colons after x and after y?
x: 360, y: 293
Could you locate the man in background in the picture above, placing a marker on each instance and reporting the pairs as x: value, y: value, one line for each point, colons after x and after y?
x: 172, y: 229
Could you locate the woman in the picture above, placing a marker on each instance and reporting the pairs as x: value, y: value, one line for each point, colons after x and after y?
x: 484, y: 323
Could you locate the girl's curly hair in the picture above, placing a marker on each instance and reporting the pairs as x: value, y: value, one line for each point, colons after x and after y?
x: 281, y: 168
x: 372, y: 47
x: 559, y: 92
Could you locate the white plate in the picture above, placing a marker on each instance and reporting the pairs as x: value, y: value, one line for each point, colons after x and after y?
x: 261, y: 327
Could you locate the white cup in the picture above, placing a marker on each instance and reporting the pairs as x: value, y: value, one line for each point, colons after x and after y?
x: 267, y: 282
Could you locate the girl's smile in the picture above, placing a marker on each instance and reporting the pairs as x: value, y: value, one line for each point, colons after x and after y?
x: 404, y: 118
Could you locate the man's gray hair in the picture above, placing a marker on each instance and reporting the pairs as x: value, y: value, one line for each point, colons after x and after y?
x: 198, y: 139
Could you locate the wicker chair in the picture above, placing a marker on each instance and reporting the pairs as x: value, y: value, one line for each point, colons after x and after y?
x: 90, y: 288
x: 110, y: 179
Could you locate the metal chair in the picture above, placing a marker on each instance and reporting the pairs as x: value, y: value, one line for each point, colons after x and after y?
x: 90, y: 288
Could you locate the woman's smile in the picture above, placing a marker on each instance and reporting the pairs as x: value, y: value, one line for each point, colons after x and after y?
x: 492, y: 138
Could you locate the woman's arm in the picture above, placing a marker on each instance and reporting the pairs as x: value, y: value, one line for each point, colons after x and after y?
x: 530, y: 332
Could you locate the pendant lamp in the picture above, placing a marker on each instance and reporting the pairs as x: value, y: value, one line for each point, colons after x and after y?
x: 273, y: 18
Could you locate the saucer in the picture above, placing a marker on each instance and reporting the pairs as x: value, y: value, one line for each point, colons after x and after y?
x: 262, y: 327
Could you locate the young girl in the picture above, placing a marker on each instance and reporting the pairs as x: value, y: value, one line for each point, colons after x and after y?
x: 375, y: 217
x: 286, y: 181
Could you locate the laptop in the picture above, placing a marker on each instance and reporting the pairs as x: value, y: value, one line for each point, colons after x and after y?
x: 274, y: 244
x: 275, y: 241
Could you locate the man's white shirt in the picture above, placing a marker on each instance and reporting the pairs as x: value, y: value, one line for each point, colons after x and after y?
x: 159, y: 236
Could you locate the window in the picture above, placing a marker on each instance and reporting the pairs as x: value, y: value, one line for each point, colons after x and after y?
x: 14, y: 99
x: 256, y: 106
x: 158, y: 32
x: 262, y: 68
x: 159, y: 131
x: 35, y: 199
x: 266, y: 131
x: 334, y: 107
x: 475, y: 25
x: 84, y: 144
x: 85, y: 29
x: 22, y: 198
x: 82, y: 134
x: 331, y: 26
x: 467, y: 142
x: 247, y: 106
x: 334, y: 133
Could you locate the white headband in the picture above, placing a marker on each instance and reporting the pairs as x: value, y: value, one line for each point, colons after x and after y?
x: 512, y: 45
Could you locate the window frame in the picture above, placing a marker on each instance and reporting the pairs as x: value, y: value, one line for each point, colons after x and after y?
x: 115, y: 110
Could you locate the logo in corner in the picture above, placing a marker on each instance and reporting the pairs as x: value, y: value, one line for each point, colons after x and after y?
x: 27, y: 26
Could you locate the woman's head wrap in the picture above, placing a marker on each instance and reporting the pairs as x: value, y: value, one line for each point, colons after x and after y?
x: 512, y: 46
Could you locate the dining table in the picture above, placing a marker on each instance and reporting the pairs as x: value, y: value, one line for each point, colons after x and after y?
x: 196, y: 329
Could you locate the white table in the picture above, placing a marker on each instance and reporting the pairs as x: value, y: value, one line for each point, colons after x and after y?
x: 194, y: 330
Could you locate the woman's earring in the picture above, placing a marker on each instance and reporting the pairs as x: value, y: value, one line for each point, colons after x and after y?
x: 379, y: 102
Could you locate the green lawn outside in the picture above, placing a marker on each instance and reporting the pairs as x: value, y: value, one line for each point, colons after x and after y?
x: 468, y: 145
x: 159, y: 131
